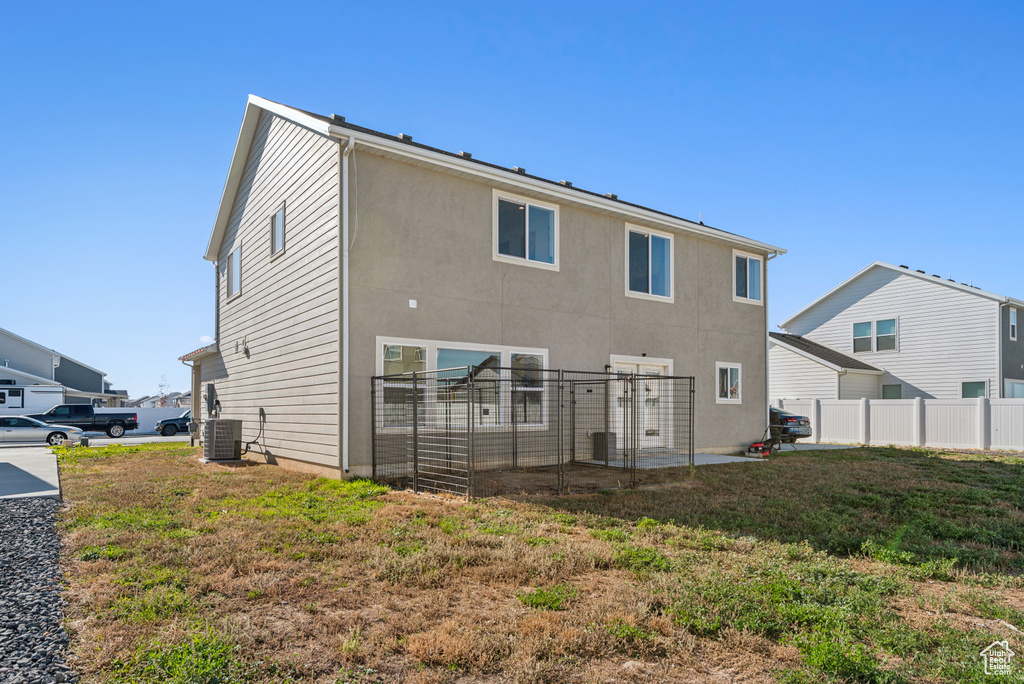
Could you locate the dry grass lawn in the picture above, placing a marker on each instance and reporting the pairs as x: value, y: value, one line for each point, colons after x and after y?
x: 872, y: 565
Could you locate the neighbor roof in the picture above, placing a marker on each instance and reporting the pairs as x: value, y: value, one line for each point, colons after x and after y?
x: 905, y: 271
x: 404, y: 146
x: 820, y: 353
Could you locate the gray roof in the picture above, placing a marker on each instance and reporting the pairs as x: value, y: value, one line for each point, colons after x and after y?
x: 822, y: 352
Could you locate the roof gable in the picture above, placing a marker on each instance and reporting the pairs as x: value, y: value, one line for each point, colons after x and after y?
x: 462, y: 163
x: 902, y: 270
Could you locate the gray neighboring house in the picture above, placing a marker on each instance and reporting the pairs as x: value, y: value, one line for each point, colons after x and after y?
x: 452, y: 260
x: 23, y: 362
x: 891, y: 332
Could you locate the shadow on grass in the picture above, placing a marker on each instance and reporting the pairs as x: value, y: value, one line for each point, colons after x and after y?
x: 931, y: 504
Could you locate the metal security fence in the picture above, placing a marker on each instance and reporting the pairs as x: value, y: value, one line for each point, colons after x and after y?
x: 486, y: 430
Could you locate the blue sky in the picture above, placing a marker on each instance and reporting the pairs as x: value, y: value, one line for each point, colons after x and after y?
x: 844, y: 132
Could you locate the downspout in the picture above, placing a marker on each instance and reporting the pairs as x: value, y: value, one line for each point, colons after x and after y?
x: 767, y: 345
x: 350, y: 144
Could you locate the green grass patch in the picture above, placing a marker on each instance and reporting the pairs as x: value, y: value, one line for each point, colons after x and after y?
x: 557, y: 597
x: 641, y: 559
x: 198, y: 660
x: 317, y: 501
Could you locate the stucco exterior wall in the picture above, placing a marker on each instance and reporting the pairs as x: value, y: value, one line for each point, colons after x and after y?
x: 426, y: 235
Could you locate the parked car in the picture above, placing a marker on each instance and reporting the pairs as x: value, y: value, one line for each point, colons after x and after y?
x: 25, y: 429
x: 83, y: 417
x: 168, y: 427
x: 788, y: 427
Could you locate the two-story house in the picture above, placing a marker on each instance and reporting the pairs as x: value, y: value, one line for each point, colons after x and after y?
x: 890, y: 332
x: 342, y: 253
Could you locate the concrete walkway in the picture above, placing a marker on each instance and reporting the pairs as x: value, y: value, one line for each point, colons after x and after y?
x: 28, y: 471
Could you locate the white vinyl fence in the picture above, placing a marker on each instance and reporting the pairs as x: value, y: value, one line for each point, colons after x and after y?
x: 944, y: 423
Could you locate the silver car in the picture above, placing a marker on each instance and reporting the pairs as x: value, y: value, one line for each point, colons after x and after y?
x: 25, y: 429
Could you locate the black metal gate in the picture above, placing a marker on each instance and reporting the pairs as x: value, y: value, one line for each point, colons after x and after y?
x: 484, y: 430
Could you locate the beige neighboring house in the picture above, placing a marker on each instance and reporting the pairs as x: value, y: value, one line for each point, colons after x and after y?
x: 341, y: 252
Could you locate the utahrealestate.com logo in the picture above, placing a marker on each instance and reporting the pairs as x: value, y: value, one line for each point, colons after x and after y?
x: 998, y: 658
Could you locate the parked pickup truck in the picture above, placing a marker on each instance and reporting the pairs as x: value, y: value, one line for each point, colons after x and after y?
x: 83, y: 417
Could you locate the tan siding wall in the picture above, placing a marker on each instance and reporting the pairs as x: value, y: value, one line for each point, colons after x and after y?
x: 945, y: 336
x: 288, y: 309
x: 796, y: 377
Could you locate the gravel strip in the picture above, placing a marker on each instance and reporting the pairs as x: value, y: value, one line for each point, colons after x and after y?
x: 33, y: 642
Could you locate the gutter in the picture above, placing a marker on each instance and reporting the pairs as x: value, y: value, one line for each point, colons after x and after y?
x: 767, y: 344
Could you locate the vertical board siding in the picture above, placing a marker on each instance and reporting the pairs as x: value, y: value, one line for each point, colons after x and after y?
x: 288, y: 310
x: 891, y: 421
x: 1008, y: 424
x: 794, y: 376
x: 945, y: 336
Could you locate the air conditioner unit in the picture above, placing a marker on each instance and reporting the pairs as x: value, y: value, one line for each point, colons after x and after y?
x: 222, y: 440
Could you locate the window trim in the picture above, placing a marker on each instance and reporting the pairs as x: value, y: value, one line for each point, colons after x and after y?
x: 719, y: 365
x: 505, y: 406
x: 671, y: 298
x: 523, y: 261
x: 273, y: 234
x: 976, y: 380
x: 874, y: 335
x: 732, y: 285
x: 230, y: 269
x: 1013, y: 324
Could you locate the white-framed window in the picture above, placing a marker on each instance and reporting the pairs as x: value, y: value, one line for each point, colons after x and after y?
x: 892, y: 391
x: 973, y: 389
x: 1013, y: 389
x: 880, y: 335
x: 648, y: 264
x: 747, y: 277
x: 729, y: 383
x: 277, y: 231
x: 1013, y: 324
x: 525, y: 231
x: 507, y: 382
x: 234, y: 274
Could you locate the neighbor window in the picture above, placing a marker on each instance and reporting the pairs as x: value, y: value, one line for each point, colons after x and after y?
x: 883, y: 333
x: 1014, y: 389
x: 235, y: 272
x: 525, y: 231
x: 1013, y: 324
x: 728, y: 383
x: 277, y: 231
x: 972, y: 390
x: 527, y: 389
x: 746, y: 277
x: 892, y: 391
x: 648, y: 263
x: 862, y: 337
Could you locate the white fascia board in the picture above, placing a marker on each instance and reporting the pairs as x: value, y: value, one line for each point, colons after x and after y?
x: 29, y: 376
x: 513, y: 181
x: 202, y: 352
x: 250, y: 119
x: 820, y: 361
x: 36, y: 345
x: 905, y: 271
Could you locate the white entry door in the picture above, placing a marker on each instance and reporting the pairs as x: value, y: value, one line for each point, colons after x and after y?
x: 652, y: 420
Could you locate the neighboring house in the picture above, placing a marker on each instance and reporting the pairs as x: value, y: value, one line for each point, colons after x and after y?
x: 890, y: 332
x: 23, y: 362
x: 453, y: 261
x: 183, y: 400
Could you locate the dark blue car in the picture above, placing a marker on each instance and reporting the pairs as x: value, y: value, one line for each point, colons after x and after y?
x: 168, y: 427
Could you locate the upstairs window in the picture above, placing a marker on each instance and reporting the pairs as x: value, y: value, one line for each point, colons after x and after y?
x: 747, y: 278
x: 277, y: 232
x: 235, y: 272
x: 1013, y: 324
x: 648, y: 263
x: 875, y: 335
x: 525, y: 231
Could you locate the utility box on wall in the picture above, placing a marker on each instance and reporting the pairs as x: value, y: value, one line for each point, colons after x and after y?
x: 222, y: 440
